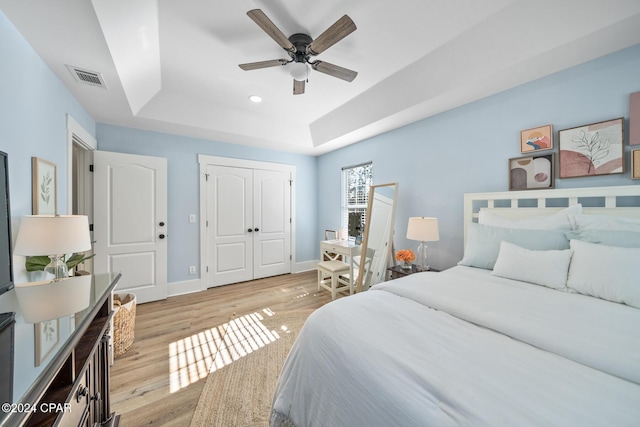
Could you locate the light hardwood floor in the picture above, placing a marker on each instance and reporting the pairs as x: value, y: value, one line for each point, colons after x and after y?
x: 141, y: 386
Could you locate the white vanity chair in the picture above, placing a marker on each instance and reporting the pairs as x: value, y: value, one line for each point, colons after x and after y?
x: 333, y: 276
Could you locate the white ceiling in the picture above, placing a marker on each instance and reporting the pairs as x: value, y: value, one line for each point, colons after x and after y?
x: 172, y: 66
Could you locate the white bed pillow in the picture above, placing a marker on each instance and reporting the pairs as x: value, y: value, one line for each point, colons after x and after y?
x: 621, y: 238
x: 483, y: 243
x: 603, y: 222
x: 607, y: 272
x: 546, y: 268
x: 556, y: 221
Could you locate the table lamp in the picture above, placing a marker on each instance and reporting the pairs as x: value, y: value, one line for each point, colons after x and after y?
x: 53, y: 236
x: 423, y: 229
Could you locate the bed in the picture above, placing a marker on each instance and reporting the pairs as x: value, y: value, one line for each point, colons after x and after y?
x: 502, y: 339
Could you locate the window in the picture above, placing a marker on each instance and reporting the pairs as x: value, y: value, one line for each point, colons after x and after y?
x: 356, y: 182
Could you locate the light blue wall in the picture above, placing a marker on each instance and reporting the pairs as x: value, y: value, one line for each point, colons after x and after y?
x: 466, y: 150
x: 33, y: 114
x: 184, y: 192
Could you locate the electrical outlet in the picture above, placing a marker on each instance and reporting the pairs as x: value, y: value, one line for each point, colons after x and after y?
x: 192, y: 218
x: 192, y: 269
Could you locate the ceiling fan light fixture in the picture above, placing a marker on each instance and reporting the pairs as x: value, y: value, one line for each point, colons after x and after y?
x: 300, y: 47
x: 255, y: 99
x: 299, y: 71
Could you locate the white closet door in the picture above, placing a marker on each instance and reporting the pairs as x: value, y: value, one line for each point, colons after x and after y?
x: 230, y: 224
x: 272, y: 223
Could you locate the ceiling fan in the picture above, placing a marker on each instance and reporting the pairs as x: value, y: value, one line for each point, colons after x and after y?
x: 301, y: 47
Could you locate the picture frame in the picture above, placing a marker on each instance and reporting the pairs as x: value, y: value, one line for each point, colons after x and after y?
x: 47, y: 337
x: 536, y: 139
x: 44, y: 191
x: 532, y: 172
x: 593, y: 149
x: 635, y: 164
x: 634, y: 118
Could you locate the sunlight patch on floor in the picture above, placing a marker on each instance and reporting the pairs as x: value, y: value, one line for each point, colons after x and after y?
x: 193, y: 358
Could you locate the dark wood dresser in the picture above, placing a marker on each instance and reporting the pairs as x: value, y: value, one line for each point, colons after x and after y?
x: 71, y: 385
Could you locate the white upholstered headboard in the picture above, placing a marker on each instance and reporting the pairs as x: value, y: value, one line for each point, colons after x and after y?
x: 619, y: 200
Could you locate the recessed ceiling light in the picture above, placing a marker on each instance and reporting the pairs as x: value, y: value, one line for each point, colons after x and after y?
x: 255, y: 98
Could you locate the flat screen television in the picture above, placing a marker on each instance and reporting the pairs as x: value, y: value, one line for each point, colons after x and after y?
x: 6, y: 257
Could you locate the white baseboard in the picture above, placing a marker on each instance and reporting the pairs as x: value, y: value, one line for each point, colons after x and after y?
x: 185, y: 287
x: 195, y: 285
x: 305, y: 266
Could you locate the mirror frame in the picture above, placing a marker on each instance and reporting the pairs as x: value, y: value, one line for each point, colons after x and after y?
x: 365, y: 239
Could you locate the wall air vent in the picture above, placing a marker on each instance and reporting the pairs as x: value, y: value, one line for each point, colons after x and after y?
x: 91, y: 78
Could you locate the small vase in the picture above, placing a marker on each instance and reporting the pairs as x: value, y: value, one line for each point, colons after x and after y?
x: 406, y: 265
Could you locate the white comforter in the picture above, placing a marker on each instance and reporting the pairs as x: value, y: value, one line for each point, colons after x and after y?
x: 463, y: 348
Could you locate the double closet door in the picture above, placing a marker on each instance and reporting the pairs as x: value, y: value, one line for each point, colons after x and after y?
x: 248, y: 222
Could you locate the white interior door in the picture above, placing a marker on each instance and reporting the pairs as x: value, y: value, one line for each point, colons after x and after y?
x: 130, y: 222
x: 272, y: 223
x: 230, y: 227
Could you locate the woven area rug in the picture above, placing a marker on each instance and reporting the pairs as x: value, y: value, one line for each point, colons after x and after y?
x: 240, y: 386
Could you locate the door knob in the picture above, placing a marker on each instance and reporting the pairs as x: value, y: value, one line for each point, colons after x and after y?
x: 249, y: 230
x: 256, y: 229
x: 161, y: 236
x: 161, y: 224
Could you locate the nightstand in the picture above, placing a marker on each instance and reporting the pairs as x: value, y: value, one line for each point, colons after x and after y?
x: 397, y: 271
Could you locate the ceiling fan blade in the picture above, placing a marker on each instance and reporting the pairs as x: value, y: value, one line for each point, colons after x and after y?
x: 298, y: 87
x: 270, y: 28
x: 334, y: 70
x: 332, y: 35
x: 263, y: 64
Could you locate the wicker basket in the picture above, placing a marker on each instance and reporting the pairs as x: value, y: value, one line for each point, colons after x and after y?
x: 124, y: 322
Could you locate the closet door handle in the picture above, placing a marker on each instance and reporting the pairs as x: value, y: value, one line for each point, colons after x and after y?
x: 256, y: 229
x: 249, y: 230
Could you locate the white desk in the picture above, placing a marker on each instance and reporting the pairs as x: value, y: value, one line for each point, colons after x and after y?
x: 334, y: 248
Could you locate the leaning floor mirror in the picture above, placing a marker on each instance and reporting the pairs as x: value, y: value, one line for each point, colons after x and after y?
x: 378, y: 234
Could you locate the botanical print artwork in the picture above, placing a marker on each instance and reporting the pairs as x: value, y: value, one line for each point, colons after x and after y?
x: 47, y: 337
x: 595, y: 149
x: 45, y: 194
x: 536, y: 139
x: 532, y: 172
x: 44, y: 187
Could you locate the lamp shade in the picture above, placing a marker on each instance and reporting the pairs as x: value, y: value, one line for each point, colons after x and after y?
x: 40, y: 301
x: 52, y: 235
x: 423, y: 229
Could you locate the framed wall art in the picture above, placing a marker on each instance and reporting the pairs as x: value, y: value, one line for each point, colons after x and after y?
x: 635, y: 164
x: 44, y: 185
x: 634, y: 119
x: 532, y: 172
x: 47, y: 336
x: 536, y: 139
x: 589, y: 150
